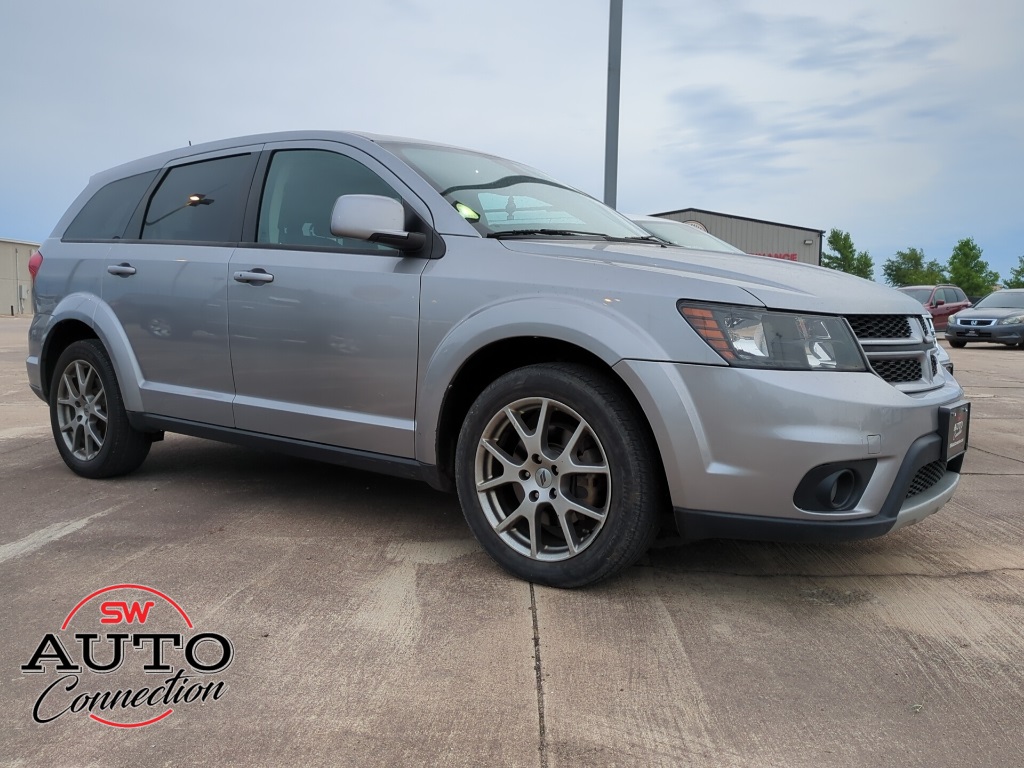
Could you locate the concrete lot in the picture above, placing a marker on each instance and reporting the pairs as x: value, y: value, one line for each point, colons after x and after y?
x: 370, y: 630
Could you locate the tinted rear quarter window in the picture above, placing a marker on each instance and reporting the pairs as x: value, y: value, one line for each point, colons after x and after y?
x: 201, y: 202
x: 108, y: 211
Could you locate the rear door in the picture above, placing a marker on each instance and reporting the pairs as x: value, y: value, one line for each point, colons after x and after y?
x: 167, y: 284
x: 323, y: 330
x: 960, y: 299
x: 950, y: 305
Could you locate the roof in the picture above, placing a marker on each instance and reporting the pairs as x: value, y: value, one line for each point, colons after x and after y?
x: 365, y: 141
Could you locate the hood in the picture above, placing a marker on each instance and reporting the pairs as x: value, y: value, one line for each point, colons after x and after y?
x: 988, y: 313
x: 699, y: 275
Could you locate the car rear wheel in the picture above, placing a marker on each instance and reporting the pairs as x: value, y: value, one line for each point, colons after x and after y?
x: 87, y: 415
x: 557, y: 475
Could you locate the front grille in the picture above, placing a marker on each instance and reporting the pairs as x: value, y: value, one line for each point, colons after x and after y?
x: 900, y: 349
x: 880, y: 326
x: 899, y: 370
x: 926, y: 477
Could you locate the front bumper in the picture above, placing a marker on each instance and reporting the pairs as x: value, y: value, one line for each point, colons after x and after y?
x: 737, y: 443
x: 900, y: 511
x: 996, y: 334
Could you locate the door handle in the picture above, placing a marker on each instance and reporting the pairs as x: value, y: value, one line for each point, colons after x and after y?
x: 124, y: 269
x: 254, y: 277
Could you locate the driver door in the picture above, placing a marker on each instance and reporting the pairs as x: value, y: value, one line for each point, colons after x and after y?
x: 323, y: 330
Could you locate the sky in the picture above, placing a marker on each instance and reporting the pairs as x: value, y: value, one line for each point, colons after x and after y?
x: 900, y: 122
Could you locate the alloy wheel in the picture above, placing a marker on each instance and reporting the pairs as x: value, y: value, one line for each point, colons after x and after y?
x: 542, y: 479
x: 82, y: 410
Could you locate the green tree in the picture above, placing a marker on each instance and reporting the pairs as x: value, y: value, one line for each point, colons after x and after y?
x: 1016, y: 275
x: 909, y: 268
x: 844, y: 257
x: 968, y: 271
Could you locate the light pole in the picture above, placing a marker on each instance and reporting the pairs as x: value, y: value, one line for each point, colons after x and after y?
x: 611, y: 135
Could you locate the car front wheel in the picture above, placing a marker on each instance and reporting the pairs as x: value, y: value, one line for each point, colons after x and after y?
x: 558, y: 476
x: 87, y: 415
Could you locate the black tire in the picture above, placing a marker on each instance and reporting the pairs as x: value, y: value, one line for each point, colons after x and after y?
x: 957, y: 344
x: 591, y: 524
x: 87, y: 415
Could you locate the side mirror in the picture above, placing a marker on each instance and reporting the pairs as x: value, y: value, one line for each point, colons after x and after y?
x: 374, y: 218
x: 939, y: 302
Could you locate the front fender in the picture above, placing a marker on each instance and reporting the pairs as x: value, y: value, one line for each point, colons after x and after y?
x: 592, y: 325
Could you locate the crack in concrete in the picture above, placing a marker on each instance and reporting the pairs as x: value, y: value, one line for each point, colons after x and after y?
x: 864, y: 575
x: 998, y: 455
x: 542, y: 746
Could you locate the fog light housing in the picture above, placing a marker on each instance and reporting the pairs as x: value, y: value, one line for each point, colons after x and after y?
x: 835, y: 487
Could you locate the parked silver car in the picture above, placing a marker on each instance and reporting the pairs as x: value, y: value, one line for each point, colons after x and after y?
x: 436, y: 313
x: 997, y: 319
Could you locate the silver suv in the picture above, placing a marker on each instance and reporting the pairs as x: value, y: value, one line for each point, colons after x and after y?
x: 436, y: 313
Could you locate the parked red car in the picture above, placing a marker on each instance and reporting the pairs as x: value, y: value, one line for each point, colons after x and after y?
x: 941, y: 300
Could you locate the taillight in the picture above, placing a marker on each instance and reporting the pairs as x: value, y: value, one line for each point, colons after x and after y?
x: 34, y: 262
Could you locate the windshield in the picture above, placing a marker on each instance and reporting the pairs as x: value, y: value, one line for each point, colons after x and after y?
x: 685, y: 235
x: 1004, y: 299
x: 918, y: 294
x: 500, y: 197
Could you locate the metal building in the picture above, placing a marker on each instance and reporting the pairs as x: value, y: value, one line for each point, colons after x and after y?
x: 15, y: 281
x: 764, y: 238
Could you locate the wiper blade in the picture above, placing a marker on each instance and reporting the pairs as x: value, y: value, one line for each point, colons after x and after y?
x: 639, y: 239
x: 572, y: 233
x: 553, y: 232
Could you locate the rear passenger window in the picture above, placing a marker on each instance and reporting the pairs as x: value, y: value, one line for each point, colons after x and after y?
x: 107, y: 213
x: 201, y: 202
x: 302, y: 187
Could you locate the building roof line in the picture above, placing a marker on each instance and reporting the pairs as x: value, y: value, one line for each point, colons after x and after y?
x: 741, y: 218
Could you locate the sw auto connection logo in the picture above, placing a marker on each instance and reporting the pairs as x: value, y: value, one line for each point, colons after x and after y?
x: 127, y: 679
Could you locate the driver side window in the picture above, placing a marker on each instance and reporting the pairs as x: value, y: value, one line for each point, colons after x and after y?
x: 299, y: 195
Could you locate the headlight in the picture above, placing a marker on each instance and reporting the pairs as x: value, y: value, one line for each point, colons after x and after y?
x: 951, y: 321
x: 751, y: 338
x: 1015, y: 320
